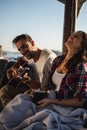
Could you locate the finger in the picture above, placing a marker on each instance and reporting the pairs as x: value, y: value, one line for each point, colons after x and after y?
x: 41, y: 105
x: 20, y: 68
x: 40, y: 102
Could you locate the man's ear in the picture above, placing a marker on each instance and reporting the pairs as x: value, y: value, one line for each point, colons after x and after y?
x: 32, y: 43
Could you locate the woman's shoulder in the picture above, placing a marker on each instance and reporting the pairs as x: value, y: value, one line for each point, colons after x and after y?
x: 56, y: 62
x: 82, y: 66
x: 85, y: 66
x: 58, y: 58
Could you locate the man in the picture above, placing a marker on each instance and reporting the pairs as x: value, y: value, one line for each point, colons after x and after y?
x: 41, y: 60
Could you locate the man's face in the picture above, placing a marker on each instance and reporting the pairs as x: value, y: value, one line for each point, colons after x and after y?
x: 25, y: 48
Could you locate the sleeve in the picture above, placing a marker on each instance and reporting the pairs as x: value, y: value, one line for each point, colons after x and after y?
x: 81, y: 83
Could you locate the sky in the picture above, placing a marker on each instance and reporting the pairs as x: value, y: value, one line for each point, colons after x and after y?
x: 41, y: 19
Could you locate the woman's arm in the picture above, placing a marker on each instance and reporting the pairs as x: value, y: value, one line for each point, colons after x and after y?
x: 74, y: 102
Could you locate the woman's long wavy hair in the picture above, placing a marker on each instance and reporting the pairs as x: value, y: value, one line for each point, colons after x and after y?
x: 81, y: 56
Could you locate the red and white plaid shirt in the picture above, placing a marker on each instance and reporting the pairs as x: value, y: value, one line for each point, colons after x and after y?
x: 74, y: 84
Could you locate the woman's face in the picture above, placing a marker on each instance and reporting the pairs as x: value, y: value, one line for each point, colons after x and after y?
x: 73, y: 44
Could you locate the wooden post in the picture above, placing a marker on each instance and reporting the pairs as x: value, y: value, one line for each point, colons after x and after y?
x: 1, y: 53
x: 69, y: 20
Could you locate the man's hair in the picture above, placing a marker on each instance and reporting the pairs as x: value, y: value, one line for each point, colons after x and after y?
x: 22, y: 36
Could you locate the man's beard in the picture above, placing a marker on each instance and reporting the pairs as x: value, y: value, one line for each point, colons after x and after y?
x: 29, y: 54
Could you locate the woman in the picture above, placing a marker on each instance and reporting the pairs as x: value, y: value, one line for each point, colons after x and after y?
x: 69, y: 71
x: 69, y: 78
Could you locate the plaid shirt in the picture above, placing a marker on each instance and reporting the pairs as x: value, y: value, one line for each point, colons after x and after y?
x: 74, y: 84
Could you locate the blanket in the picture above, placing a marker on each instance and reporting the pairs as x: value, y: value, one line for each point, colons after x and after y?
x: 22, y: 114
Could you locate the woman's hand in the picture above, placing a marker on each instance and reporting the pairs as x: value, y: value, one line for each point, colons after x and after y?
x: 44, y: 102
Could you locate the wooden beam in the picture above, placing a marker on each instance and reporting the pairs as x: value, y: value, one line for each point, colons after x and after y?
x: 62, y: 1
x: 69, y: 20
x: 72, y: 9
